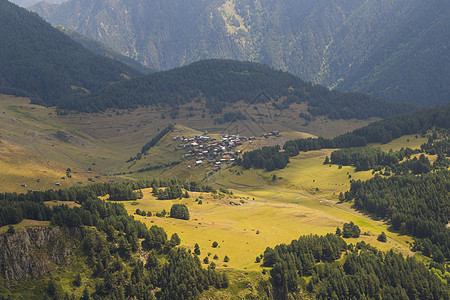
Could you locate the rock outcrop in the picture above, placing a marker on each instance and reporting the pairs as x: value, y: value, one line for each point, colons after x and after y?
x: 34, y: 251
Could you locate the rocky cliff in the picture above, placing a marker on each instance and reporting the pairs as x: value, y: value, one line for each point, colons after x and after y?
x: 32, y: 252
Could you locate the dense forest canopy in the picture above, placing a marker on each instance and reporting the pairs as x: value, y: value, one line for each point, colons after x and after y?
x: 38, y: 60
x: 223, y: 82
x: 363, y: 273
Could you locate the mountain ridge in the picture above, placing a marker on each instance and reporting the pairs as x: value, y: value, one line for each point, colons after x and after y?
x: 374, y: 46
x: 41, y: 62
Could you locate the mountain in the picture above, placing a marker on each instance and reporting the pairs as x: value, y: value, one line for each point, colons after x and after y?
x: 222, y: 83
x: 27, y: 3
x: 98, y: 48
x: 38, y: 60
x: 396, y: 50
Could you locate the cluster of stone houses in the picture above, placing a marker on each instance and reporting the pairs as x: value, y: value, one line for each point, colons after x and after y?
x: 211, y: 151
x: 214, y: 152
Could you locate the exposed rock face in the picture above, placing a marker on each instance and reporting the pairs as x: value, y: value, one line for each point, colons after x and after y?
x: 34, y: 251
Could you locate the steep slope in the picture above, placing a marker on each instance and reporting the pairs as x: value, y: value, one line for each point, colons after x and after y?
x: 98, y: 48
x: 39, y: 60
x: 391, y: 49
x: 222, y: 83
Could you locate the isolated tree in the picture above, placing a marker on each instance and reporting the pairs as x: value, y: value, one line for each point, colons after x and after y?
x: 351, y: 230
x: 215, y: 244
x: 197, y: 249
x: 382, y: 237
x: 175, y: 239
x: 179, y: 211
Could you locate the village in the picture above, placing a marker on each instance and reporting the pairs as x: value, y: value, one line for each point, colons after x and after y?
x: 214, y: 152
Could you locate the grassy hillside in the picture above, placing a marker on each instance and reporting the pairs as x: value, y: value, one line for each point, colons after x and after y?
x: 37, y: 143
x: 40, y: 61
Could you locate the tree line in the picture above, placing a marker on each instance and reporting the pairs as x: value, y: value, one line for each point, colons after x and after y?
x: 224, y: 82
x: 152, y: 143
x: 414, y: 205
x: 363, y: 273
x: 384, y: 131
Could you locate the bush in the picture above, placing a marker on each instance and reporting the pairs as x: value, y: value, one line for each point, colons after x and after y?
x: 215, y: 244
x: 179, y: 211
x: 382, y: 237
x: 351, y: 230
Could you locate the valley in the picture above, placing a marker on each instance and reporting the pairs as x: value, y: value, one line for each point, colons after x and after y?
x: 205, y: 170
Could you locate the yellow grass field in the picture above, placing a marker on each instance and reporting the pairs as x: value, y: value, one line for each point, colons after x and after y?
x: 263, y: 213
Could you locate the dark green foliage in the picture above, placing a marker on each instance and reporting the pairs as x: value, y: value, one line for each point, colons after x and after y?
x: 368, y: 274
x: 364, y: 158
x: 77, y: 280
x: 15, y: 207
x: 415, y: 205
x: 184, y: 278
x: 365, y: 273
x: 306, y: 251
x: 338, y: 231
x: 175, y: 239
x: 173, y: 189
x: 382, y: 237
x: 122, y: 193
x: 299, y: 258
x: 40, y: 61
x: 157, y: 138
x: 179, y: 211
x: 269, y: 158
x: 223, y: 82
x: 11, y: 229
x: 215, y: 244
x: 350, y: 230
x: 197, y: 249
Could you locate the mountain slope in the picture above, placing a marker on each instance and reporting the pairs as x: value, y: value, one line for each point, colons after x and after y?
x: 222, y: 83
x: 40, y: 61
x: 391, y: 49
x: 98, y: 48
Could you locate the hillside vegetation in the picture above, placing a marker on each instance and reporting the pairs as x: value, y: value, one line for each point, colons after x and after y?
x: 396, y: 50
x: 98, y: 48
x: 225, y: 82
x: 38, y: 60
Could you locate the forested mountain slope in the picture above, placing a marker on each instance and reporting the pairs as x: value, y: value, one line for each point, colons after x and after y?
x: 396, y: 50
x: 224, y: 82
x: 98, y: 48
x: 38, y: 60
